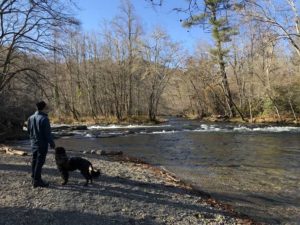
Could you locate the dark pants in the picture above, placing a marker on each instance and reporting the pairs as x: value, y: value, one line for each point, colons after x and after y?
x: 38, y: 160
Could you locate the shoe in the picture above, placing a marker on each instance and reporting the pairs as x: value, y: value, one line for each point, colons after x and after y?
x: 40, y: 183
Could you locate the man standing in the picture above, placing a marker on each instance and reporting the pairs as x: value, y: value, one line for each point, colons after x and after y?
x: 40, y: 136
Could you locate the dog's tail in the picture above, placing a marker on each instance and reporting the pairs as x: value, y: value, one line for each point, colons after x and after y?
x: 94, y: 173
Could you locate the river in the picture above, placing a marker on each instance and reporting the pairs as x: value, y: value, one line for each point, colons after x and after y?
x: 255, y: 168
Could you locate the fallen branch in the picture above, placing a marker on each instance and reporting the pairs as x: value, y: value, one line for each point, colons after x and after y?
x: 11, y: 151
x: 169, y: 175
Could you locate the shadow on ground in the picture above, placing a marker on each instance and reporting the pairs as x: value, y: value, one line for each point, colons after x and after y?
x: 41, y: 216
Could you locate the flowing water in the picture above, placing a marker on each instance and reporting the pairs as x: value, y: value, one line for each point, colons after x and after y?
x: 254, y: 168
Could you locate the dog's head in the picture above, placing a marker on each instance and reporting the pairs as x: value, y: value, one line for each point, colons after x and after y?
x: 60, y: 151
x: 95, y: 173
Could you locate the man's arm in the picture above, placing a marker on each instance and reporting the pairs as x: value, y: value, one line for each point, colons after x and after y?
x: 48, y: 134
x: 28, y: 126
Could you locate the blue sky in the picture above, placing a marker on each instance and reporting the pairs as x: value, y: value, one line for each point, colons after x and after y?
x: 93, y: 12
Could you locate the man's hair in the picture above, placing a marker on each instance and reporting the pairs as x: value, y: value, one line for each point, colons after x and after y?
x: 41, y: 105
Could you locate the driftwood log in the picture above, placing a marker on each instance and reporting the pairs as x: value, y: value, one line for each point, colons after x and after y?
x: 11, y: 151
x: 102, y: 152
x: 111, y: 152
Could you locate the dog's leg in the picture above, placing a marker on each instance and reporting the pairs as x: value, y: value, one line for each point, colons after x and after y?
x: 87, y: 176
x: 65, y: 176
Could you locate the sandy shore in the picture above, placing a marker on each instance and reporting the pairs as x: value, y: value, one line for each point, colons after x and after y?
x: 126, y: 193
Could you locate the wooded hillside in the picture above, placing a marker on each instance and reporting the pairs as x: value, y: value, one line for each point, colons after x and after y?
x: 250, y: 70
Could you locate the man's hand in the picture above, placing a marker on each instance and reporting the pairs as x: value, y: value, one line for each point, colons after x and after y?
x: 52, y: 146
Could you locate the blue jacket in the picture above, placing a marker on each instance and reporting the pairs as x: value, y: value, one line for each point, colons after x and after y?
x: 40, y: 131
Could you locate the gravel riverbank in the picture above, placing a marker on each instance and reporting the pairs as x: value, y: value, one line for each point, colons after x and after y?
x: 127, y: 192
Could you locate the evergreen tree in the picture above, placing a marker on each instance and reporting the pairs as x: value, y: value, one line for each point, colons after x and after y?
x: 215, y: 16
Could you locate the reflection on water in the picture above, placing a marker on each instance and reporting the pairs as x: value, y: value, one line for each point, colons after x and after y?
x: 256, y: 169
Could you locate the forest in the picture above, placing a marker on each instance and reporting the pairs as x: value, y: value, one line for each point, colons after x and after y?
x: 249, y: 71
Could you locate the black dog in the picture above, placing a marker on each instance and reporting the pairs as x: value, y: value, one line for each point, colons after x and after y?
x: 65, y: 164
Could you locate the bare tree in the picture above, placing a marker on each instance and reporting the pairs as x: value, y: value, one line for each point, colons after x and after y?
x: 26, y: 27
x: 132, y: 35
x: 162, y: 59
x: 281, y: 16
